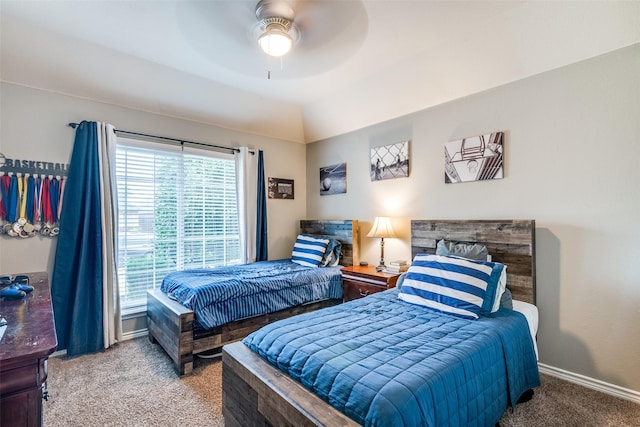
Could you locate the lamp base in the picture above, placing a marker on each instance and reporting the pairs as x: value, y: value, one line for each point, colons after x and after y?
x: 381, y: 266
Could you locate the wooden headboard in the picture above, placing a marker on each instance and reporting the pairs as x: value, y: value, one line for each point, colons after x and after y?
x: 344, y: 231
x: 511, y: 242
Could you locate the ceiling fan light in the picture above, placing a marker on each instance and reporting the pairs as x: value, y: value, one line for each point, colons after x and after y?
x: 275, y: 42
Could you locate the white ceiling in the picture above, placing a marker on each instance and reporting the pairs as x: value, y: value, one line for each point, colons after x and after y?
x: 358, y: 62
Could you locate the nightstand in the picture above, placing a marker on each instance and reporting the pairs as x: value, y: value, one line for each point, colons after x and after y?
x: 359, y: 281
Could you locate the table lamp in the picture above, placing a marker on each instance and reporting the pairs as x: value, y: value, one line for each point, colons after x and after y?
x: 381, y: 228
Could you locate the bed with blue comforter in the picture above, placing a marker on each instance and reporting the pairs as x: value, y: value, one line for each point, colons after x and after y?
x: 385, y: 362
x: 198, y: 311
x: 222, y: 295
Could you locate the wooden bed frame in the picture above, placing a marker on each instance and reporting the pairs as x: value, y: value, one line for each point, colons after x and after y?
x: 170, y: 324
x: 256, y: 393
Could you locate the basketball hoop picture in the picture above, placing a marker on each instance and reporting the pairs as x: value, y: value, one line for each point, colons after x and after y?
x: 477, y: 158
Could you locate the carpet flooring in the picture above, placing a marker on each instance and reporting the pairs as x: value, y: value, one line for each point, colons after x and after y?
x: 134, y: 384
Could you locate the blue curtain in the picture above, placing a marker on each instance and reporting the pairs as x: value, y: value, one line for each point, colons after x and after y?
x: 76, y: 284
x: 261, y: 223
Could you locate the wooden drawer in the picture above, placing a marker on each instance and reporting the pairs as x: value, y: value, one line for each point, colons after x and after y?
x: 19, y: 378
x: 354, y: 290
x: 360, y: 281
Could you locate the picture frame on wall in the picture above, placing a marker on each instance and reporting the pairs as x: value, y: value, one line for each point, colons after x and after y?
x: 280, y: 188
x: 333, y: 179
x: 477, y: 158
x: 389, y: 161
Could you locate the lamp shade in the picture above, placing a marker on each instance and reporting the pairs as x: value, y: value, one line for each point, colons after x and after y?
x: 382, y: 228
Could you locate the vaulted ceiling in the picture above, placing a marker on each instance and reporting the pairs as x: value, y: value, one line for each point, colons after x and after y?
x: 358, y: 62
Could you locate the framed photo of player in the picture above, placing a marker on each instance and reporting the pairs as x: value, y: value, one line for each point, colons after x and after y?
x: 390, y: 161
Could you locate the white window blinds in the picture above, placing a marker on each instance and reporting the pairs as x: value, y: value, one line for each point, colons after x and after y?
x: 177, y: 210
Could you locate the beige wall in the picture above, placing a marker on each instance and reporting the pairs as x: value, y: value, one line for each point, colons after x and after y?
x: 33, y: 127
x: 571, y: 152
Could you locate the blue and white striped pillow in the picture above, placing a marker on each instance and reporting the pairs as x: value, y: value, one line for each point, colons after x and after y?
x: 452, y: 285
x: 308, y: 251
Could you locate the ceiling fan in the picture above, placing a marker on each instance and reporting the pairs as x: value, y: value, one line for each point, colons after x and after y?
x: 318, y: 34
x: 277, y: 32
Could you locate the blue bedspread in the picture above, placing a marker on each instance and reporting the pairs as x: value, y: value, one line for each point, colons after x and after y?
x: 384, y: 362
x: 222, y: 295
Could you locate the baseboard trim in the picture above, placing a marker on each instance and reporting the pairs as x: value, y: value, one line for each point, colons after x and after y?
x: 135, y: 334
x: 591, y: 383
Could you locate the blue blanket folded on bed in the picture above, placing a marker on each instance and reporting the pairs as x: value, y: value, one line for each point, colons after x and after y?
x: 386, y: 362
x: 222, y: 295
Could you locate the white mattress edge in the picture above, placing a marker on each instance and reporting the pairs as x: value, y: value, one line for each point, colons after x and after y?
x: 530, y: 312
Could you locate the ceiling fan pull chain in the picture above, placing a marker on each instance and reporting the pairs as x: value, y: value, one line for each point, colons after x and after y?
x: 268, y: 64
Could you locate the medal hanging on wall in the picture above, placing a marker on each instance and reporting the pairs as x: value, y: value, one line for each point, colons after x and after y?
x: 30, y: 204
x: 28, y: 229
x: 22, y: 227
x: 46, y: 208
x: 12, y: 209
x: 5, y: 182
x: 54, y: 194
x: 37, y: 204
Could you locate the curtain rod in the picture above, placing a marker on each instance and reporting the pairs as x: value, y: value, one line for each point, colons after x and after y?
x: 165, y: 138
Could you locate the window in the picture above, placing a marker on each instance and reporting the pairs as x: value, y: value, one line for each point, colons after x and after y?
x: 176, y: 210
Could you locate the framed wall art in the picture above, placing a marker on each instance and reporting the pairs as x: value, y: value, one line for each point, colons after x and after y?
x: 333, y: 179
x: 477, y: 158
x: 390, y: 161
x: 280, y: 188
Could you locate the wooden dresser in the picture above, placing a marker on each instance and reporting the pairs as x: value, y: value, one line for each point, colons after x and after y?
x: 28, y: 341
x: 360, y: 281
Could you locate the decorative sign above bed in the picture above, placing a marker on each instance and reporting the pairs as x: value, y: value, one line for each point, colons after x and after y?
x: 333, y: 179
x: 390, y: 161
x: 281, y: 188
x: 476, y: 158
